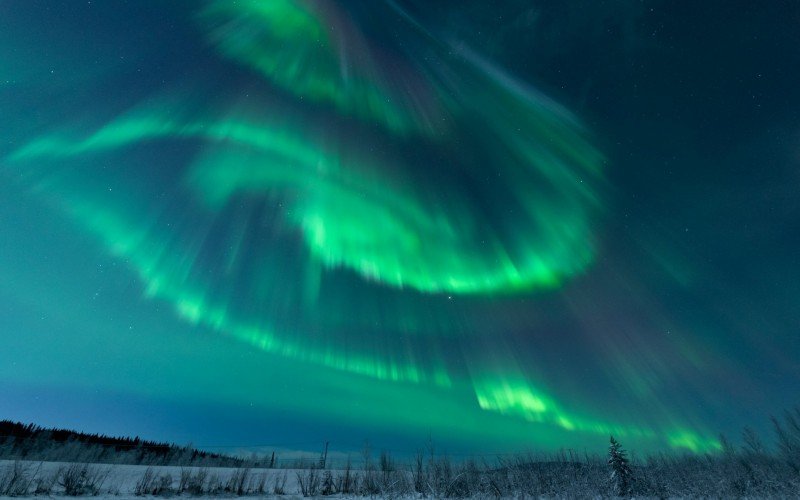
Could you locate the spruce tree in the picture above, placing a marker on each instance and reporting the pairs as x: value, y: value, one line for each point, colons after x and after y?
x: 621, y: 474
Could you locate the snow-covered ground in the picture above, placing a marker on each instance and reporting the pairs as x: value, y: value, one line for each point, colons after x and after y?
x: 122, y: 481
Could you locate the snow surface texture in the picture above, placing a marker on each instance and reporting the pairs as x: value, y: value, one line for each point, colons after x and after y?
x: 739, y: 475
x: 131, y: 481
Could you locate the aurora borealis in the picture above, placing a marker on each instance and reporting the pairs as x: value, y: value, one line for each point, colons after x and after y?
x: 275, y: 222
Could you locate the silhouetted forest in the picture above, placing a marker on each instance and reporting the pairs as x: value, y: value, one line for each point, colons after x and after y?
x: 750, y: 468
x: 20, y: 441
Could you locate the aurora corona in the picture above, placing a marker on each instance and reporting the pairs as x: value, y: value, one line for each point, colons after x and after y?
x: 347, y: 204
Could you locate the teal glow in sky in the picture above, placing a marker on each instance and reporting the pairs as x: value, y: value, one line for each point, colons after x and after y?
x: 391, y: 221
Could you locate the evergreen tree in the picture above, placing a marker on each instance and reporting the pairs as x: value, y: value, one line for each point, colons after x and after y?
x: 621, y: 474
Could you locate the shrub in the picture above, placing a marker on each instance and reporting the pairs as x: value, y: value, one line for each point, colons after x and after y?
x: 81, y: 479
x: 279, y: 484
x: 309, y: 482
x: 16, y: 479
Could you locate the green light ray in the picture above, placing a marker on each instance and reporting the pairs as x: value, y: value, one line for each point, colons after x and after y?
x: 317, y: 57
x: 352, y: 216
x: 411, y: 182
x: 516, y: 397
x: 167, y: 277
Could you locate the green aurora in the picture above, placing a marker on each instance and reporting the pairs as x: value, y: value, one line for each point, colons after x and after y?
x: 358, y: 214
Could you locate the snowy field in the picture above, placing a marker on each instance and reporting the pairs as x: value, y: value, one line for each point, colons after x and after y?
x: 737, y: 475
x: 121, y: 481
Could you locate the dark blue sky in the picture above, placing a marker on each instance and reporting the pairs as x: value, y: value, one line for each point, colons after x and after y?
x: 508, y: 226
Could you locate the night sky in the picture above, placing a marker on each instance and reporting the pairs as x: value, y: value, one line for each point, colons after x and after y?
x: 500, y: 226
